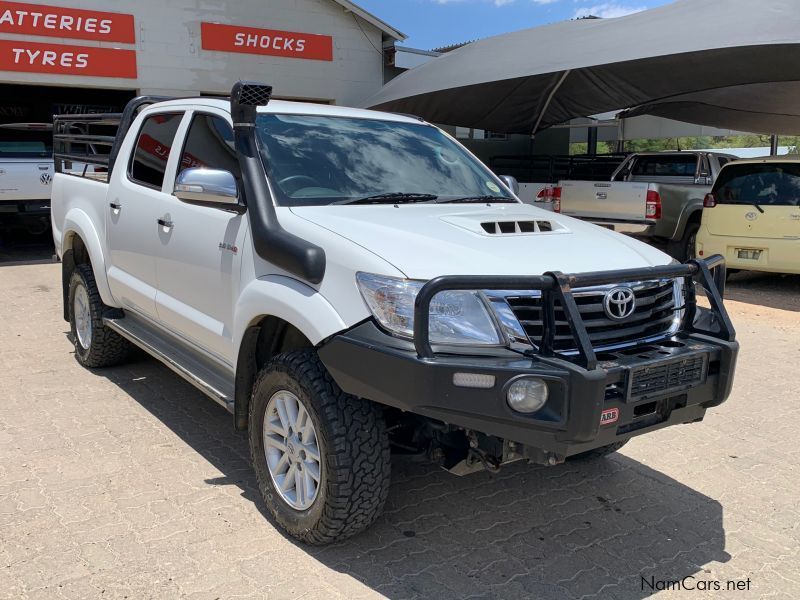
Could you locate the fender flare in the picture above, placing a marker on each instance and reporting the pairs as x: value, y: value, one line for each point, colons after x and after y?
x: 78, y: 223
x: 289, y: 299
x: 690, y: 209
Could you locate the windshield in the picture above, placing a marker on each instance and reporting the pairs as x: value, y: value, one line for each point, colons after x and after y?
x: 25, y: 143
x: 761, y: 183
x: 317, y: 160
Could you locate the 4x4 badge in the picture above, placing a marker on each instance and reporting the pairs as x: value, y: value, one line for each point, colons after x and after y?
x: 231, y: 247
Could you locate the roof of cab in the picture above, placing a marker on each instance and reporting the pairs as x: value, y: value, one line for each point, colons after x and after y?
x: 286, y: 107
x: 766, y: 159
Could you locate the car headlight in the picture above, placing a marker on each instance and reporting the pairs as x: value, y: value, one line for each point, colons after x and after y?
x: 456, y: 317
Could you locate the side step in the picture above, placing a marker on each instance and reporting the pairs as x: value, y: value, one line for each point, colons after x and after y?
x: 194, y: 368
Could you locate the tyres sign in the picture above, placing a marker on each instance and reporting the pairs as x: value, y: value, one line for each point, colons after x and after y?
x: 253, y: 40
x: 61, y: 59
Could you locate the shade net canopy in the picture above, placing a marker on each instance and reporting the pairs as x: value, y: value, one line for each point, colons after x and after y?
x: 768, y: 108
x: 529, y: 80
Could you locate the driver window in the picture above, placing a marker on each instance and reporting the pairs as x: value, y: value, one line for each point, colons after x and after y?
x: 209, y: 145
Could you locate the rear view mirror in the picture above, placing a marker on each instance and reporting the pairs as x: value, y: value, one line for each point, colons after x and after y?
x: 511, y: 183
x: 213, y: 186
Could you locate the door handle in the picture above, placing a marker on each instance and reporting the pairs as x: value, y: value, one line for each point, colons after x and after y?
x: 115, y: 205
x: 165, y: 223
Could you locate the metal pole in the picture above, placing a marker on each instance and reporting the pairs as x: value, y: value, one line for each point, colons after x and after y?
x: 773, y: 145
x: 591, y: 146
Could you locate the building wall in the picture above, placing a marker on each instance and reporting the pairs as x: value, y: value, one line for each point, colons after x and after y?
x: 170, y: 58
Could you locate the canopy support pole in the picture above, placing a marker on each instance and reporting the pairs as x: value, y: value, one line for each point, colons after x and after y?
x: 549, y: 99
x: 773, y: 145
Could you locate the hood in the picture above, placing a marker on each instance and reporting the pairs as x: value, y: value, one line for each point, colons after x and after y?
x: 428, y: 240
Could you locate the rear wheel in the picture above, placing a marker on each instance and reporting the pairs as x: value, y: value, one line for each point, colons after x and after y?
x: 95, y: 344
x: 685, y: 248
x: 321, y: 456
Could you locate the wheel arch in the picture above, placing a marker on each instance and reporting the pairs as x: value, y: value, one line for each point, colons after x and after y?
x: 276, y: 314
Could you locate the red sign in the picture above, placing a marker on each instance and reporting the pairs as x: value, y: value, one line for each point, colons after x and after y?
x: 609, y: 416
x: 61, y: 59
x: 56, y: 21
x: 252, y: 40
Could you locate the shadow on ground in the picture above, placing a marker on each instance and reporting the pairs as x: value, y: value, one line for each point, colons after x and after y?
x: 774, y: 290
x: 20, y: 248
x: 562, y: 532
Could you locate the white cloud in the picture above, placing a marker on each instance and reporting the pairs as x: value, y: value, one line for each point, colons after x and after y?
x: 607, y: 10
x: 544, y: 1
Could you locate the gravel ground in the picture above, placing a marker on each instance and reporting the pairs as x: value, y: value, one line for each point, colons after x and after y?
x: 128, y: 483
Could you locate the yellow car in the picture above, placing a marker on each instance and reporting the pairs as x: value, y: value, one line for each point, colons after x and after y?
x: 752, y: 215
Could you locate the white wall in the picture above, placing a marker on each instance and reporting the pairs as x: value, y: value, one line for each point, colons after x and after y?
x: 170, y: 59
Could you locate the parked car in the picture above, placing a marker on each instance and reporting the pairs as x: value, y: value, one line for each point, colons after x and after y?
x: 657, y: 196
x: 341, y: 279
x: 26, y: 175
x: 752, y: 215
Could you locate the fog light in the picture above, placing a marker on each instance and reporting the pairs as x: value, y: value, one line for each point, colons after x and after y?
x: 527, y: 394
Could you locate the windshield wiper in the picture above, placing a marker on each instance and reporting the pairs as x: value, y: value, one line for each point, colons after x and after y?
x: 467, y: 199
x: 758, y: 206
x: 391, y: 198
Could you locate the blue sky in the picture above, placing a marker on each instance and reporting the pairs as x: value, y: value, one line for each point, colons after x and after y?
x: 432, y: 23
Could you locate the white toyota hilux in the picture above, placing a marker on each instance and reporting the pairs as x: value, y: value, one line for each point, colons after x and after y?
x: 343, y: 281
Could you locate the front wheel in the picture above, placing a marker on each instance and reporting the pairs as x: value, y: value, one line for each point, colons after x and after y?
x: 321, y: 456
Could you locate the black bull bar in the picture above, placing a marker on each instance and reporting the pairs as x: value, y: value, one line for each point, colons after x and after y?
x: 557, y: 286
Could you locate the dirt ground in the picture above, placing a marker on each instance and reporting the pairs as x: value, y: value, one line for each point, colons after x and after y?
x: 128, y: 483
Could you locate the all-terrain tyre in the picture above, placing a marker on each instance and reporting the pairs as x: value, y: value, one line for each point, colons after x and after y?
x: 95, y: 344
x: 599, y: 452
x: 347, y: 451
x: 684, y: 249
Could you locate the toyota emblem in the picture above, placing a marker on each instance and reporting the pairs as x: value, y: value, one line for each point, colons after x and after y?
x: 46, y: 178
x: 751, y: 216
x: 619, y: 303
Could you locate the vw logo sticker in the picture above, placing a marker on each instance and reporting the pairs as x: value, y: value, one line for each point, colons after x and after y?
x: 619, y: 303
x: 46, y: 178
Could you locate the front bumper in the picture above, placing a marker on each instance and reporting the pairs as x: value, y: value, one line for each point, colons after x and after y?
x: 595, y: 399
x: 367, y: 363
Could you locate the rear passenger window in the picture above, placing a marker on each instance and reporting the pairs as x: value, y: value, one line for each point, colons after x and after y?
x: 209, y: 145
x: 149, y: 159
x: 667, y: 165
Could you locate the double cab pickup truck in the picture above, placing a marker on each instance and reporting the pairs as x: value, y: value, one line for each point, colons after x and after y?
x: 343, y: 281
x: 656, y: 196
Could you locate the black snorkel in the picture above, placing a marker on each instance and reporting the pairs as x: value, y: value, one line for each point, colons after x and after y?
x: 271, y: 241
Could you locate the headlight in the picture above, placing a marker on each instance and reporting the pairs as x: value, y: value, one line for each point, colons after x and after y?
x: 457, y: 317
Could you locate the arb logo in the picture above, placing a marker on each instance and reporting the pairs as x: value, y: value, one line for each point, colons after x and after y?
x: 609, y: 415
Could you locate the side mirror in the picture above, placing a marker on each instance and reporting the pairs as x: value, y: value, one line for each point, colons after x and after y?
x: 511, y: 183
x: 213, y: 186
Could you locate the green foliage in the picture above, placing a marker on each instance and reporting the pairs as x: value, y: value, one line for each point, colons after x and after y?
x: 747, y: 140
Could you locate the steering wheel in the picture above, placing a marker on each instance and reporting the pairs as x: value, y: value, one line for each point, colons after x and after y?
x: 296, y: 182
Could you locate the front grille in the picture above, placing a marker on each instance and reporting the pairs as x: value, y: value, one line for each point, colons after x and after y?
x: 653, y: 316
x: 649, y: 380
